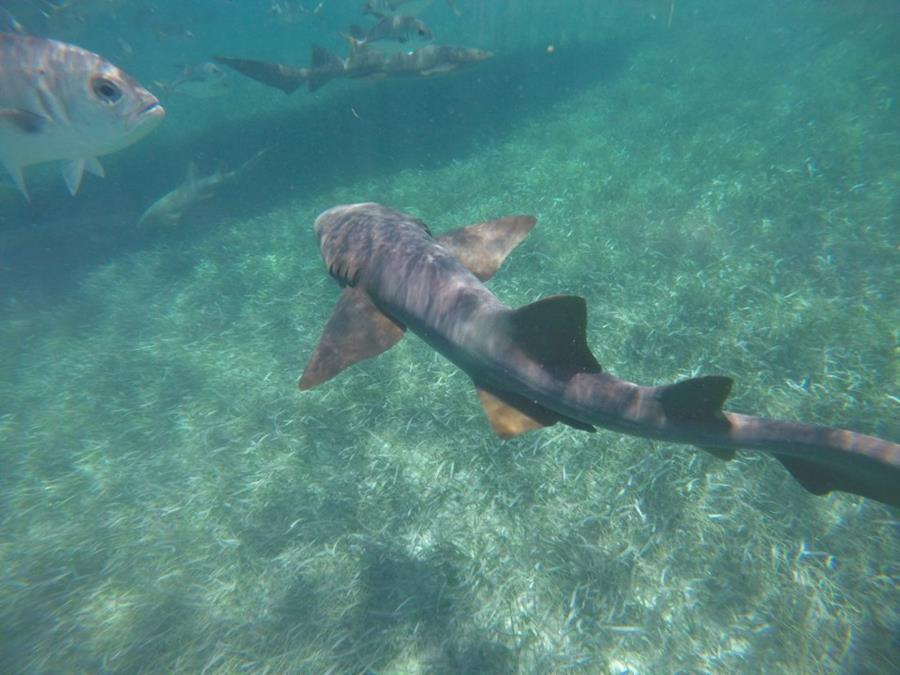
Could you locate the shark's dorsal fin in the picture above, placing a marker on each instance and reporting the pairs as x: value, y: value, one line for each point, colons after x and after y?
x: 699, y: 399
x: 553, y: 332
x: 482, y: 248
x: 511, y: 415
x: 322, y: 58
x: 357, y: 330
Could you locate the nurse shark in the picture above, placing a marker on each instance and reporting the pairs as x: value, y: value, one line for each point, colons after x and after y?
x: 532, y: 366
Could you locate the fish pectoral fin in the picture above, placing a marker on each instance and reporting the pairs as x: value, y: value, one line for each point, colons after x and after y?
x: 25, y: 121
x: 699, y: 399
x: 72, y: 172
x: 93, y: 165
x: 511, y: 415
x: 357, y: 330
x: 483, y: 247
x: 18, y: 178
x: 553, y: 331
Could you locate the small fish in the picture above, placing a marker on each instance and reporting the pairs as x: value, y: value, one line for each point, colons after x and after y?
x: 169, y: 209
x: 382, y: 8
x: 397, y: 28
x: 9, y: 23
x: 61, y: 102
x: 199, y: 80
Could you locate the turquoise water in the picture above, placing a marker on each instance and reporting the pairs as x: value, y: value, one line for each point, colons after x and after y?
x: 718, y: 180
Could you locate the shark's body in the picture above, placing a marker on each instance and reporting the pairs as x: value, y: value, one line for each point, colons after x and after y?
x: 169, y: 209
x: 363, y: 62
x: 532, y: 365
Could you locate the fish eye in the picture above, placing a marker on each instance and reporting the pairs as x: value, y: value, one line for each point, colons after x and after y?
x: 106, y: 90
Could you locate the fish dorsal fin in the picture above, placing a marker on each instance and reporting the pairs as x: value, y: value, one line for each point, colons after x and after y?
x: 511, y: 415
x: 357, y: 330
x: 699, y: 399
x: 553, y: 332
x: 72, y: 172
x: 482, y: 248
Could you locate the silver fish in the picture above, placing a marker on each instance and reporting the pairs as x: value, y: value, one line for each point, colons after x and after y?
x: 61, y: 102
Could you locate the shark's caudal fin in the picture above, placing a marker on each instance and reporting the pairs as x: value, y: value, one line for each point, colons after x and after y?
x: 482, y: 248
x: 552, y: 331
x: 356, y: 330
x: 277, y: 75
x: 820, y: 479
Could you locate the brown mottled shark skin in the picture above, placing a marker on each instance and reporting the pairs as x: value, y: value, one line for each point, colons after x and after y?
x: 532, y: 366
x: 363, y: 62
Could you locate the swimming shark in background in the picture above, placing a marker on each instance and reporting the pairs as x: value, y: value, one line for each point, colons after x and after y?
x: 62, y: 102
x: 382, y: 8
x: 532, y: 366
x: 397, y: 28
x: 363, y: 61
x: 169, y: 209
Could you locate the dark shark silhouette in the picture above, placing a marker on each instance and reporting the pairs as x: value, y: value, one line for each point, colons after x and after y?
x: 532, y: 366
x: 362, y: 62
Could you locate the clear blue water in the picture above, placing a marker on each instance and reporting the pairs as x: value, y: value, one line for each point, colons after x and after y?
x: 719, y: 179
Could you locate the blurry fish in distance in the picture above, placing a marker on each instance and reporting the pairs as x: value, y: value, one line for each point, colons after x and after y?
x: 169, y: 209
x: 198, y: 80
x: 397, y: 28
x: 364, y: 61
x: 382, y: 8
x: 61, y: 102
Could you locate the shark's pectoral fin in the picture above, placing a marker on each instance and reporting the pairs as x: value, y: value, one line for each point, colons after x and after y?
x: 482, y: 248
x: 511, y: 415
x: 357, y: 330
x: 552, y: 331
